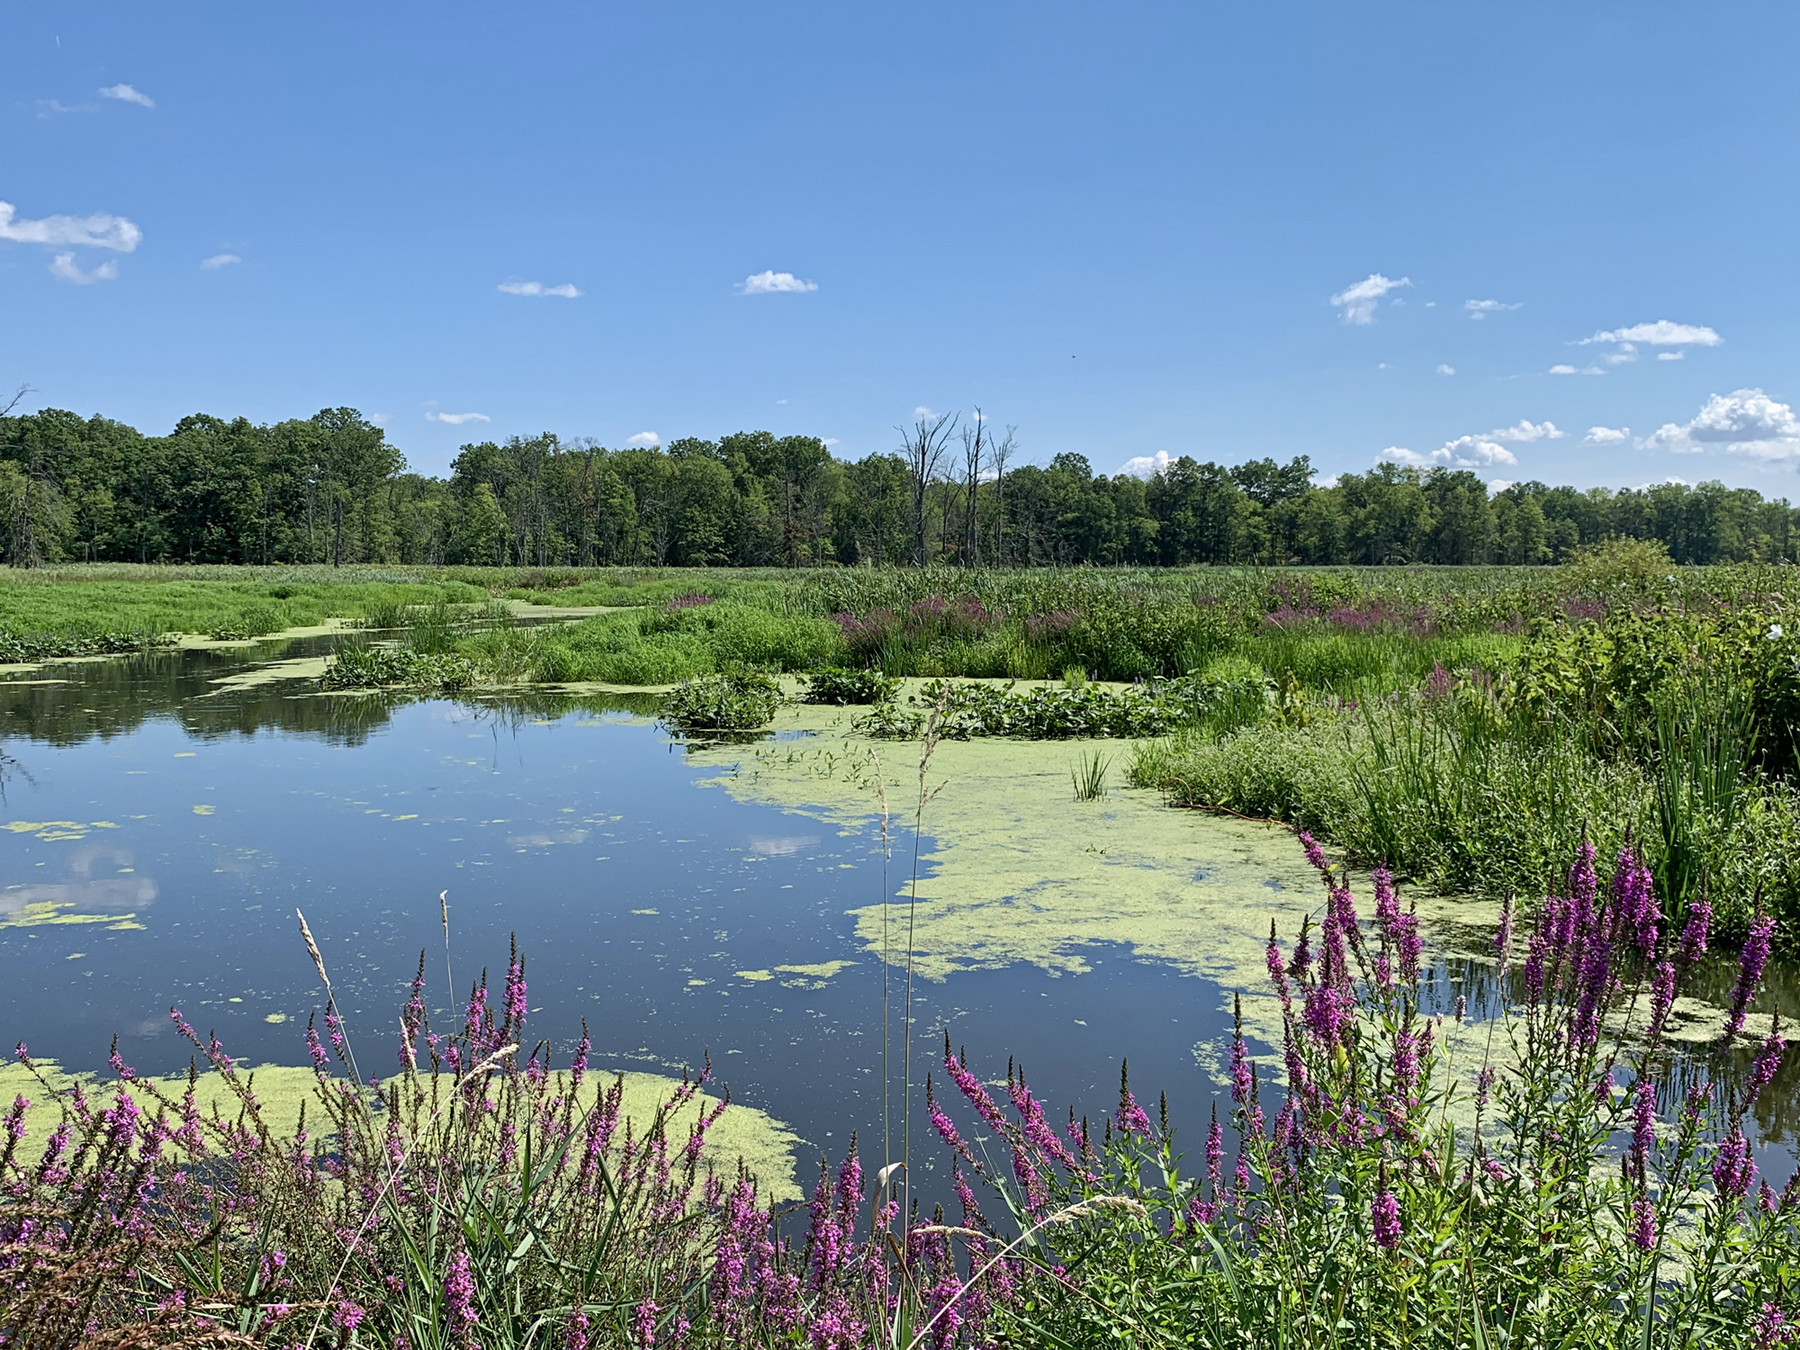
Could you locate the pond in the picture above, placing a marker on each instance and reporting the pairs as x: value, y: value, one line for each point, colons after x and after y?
x: 166, y: 814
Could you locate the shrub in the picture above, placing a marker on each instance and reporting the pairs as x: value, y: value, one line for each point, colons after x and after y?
x: 387, y: 667
x: 736, y: 701
x: 839, y: 685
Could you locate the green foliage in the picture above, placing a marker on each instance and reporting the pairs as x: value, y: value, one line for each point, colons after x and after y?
x: 1089, y: 776
x: 842, y: 686
x: 22, y: 647
x: 735, y: 701
x: 390, y: 667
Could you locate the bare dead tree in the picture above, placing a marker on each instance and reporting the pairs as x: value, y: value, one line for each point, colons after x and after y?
x: 924, y: 446
x: 999, y: 452
x: 17, y: 398
x: 974, y: 451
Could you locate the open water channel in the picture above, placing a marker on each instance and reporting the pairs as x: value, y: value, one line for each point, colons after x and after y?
x: 164, y: 816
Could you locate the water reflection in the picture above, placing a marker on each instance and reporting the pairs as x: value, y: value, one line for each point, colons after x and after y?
x: 178, y: 806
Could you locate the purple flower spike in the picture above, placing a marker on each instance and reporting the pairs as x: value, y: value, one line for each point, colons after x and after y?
x: 1750, y: 969
x: 1768, y: 1060
x: 1693, y: 936
x: 1384, y: 1213
x: 1732, y: 1170
x: 1643, y: 1223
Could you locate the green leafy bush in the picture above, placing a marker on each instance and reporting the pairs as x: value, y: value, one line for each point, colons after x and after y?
x: 389, y: 667
x: 842, y: 686
x: 736, y: 701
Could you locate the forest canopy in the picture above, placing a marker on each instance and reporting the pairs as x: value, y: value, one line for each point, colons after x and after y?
x: 331, y: 488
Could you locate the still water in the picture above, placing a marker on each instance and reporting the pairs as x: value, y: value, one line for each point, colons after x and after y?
x: 166, y: 814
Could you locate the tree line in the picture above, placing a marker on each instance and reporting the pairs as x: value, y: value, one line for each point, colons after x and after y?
x: 332, y: 489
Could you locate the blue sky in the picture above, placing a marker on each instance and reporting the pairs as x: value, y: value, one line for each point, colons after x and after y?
x: 1132, y: 230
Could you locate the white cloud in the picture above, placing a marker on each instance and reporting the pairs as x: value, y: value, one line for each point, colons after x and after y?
x: 1626, y: 354
x: 1499, y: 485
x: 100, y: 230
x: 924, y: 413
x: 64, y: 268
x: 1431, y: 304
x: 1606, y: 435
x: 219, y: 260
x: 1671, y: 356
x: 775, y: 283
x: 1480, y: 309
x: 1528, y: 431
x: 1144, y: 466
x: 832, y: 440
x: 457, y: 419
x: 1662, y: 333
x: 380, y: 419
x: 644, y: 438
x: 567, y: 290
x: 126, y: 94
x: 1475, y: 452
x: 1571, y: 370
x: 48, y: 106
x: 1382, y: 365
x: 1745, y: 422
x: 1358, y: 302
x: 1446, y: 370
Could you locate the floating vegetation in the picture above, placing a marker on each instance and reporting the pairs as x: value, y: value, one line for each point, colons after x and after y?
x: 739, y: 701
x: 841, y: 685
x: 392, y: 667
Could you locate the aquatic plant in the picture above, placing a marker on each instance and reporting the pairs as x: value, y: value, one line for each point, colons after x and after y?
x: 841, y: 685
x: 1554, y: 1175
x: 1089, y: 777
x: 738, y: 701
x: 395, y: 667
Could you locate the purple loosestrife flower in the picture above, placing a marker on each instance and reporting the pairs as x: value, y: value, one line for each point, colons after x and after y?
x: 1634, y: 895
x: 1387, y: 906
x: 1643, y: 1223
x: 578, y: 1068
x: 1130, y: 1118
x: 1750, y: 969
x: 1301, y: 965
x: 1215, y: 1150
x: 515, y: 992
x: 1762, y: 1072
x: 1773, y: 1329
x: 1406, y: 1060
x: 942, y: 1123
x: 972, y: 1089
x: 1314, y: 854
x: 1384, y: 1214
x: 643, y: 1322
x: 119, y: 1066
x: 321, y: 1060
x: 575, y: 1331
x: 1662, y: 997
x: 459, y: 1300
x: 348, y: 1317
x: 1732, y: 1170
x: 1277, y: 971
x: 1643, y: 1122
x: 1694, y: 933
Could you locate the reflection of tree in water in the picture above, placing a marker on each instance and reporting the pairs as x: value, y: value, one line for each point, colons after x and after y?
x: 106, y: 699
x: 111, y: 698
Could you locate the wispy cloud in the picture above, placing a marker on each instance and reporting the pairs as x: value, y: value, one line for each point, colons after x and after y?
x: 64, y: 268
x: 1624, y: 356
x: 775, y: 283
x: 644, y: 438
x: 567, y: 290
x: 1606, y: 436
x: 100, y: 230
x: 1671, y: 356
x: 1358, y: 302
x: 1662, y: 333
x: 1446, y: 370
x: 1146, y: 466
x: 1480, y: 309
x: 126, y: 94
x: 50, y: 107
x: 219, y: 260
x: 1571, y: 370
x: 923, y: 412
x: 456, y: 419
x: 1745, y: 422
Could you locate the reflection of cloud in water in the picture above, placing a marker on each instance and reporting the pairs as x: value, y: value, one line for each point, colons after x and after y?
x: 781, y: 845
x: 545, y: 840
x: 83, y: 897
